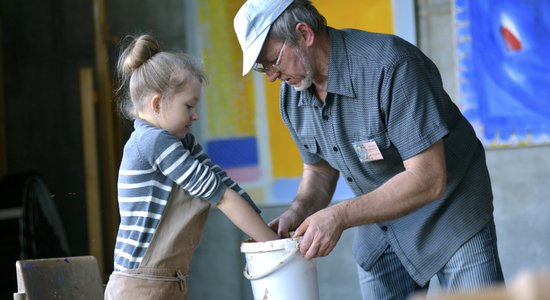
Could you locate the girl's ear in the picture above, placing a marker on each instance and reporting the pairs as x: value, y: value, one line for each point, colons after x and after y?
x: 154, y: 103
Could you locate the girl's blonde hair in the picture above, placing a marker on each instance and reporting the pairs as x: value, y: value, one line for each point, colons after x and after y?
x: 144, y: 70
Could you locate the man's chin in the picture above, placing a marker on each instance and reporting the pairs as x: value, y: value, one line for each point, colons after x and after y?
x: 302, y: 85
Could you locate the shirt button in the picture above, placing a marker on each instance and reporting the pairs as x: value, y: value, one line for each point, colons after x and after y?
x: 384, y: 228
x: 325, y: 117
x: 350, y: 179
x: 335, y: 149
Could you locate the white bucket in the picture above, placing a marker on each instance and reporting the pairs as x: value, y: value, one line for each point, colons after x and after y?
x: 278, y: 271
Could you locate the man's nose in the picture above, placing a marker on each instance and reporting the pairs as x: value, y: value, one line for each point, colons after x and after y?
x: 272, y: 75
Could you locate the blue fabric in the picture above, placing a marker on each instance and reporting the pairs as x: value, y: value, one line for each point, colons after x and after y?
x: 387, y: 279
x: 474, y: 266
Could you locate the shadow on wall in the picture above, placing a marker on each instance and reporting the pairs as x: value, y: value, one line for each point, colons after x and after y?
x: 31, y: 226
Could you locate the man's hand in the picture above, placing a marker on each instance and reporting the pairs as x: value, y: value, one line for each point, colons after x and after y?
x: 321, y: 232
x: 286, y: 222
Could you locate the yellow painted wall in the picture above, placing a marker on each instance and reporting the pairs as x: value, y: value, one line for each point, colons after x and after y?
x: 230, y: 99
x: 372, y: 15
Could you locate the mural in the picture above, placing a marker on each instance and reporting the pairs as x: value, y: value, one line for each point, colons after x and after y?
x: 240, y: 125
x: 503, y: 79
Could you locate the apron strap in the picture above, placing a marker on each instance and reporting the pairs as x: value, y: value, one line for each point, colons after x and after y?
x: 180, y: 277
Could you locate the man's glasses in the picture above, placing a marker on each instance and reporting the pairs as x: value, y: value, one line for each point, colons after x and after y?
x: 272, y: 68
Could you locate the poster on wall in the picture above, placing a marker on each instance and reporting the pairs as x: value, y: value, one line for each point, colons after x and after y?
x: 503, y: 76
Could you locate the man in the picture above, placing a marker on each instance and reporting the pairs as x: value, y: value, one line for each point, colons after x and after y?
x: 371, y: 108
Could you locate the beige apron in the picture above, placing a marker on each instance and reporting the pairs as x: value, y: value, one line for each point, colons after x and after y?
x: 163, y: 271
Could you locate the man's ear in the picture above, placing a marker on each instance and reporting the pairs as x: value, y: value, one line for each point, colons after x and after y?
x: 306, y: 33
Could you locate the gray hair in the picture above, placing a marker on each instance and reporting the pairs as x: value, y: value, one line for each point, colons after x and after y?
x: 284, y: 28
x: 144, y: 70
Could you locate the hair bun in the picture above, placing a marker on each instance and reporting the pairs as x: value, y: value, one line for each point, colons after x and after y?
x: 140, y: 50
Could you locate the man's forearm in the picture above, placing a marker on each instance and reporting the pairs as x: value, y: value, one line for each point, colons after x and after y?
x: 422, y: 182
x: 316, y: 189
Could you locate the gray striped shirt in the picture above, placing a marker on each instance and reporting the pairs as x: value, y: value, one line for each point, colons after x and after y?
x: 153, y: 160
x: 383, y: 89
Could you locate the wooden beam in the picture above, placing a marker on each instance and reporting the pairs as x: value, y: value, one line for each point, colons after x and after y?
x: 106, y: 131
x: 91, y: 173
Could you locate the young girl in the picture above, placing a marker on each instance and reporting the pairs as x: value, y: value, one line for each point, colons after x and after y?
x: 166, y: 182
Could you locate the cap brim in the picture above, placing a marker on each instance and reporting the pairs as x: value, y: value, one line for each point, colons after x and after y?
x: 250, y: 55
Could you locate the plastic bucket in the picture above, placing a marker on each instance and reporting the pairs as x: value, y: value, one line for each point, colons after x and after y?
x: 278, y: 271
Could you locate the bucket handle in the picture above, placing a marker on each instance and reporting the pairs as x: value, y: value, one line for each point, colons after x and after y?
x: 278, y: 265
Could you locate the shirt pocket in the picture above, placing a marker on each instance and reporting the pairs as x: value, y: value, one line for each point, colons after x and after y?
x: 380, y: 139
x: 310, y: 149
x: 389, y: 153
x: 309, y: 144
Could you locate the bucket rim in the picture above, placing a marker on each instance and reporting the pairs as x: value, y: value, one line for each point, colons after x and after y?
x: 274, y: 245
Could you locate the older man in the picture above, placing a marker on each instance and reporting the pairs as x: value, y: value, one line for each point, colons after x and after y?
x: 371, y: 108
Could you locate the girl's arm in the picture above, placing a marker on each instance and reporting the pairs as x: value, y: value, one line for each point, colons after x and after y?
x: 245, y: 217
x: 198, y: 153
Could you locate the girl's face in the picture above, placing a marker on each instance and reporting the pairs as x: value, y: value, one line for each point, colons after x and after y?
x: 180, y: 111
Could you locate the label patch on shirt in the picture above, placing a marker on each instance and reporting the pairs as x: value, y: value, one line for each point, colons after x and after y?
x: 367, y: 151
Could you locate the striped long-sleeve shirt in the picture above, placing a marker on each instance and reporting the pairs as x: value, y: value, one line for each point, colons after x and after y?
x: 153, y: 160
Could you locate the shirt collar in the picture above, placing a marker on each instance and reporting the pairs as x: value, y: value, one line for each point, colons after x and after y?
x: 339, y: 73
x: 308, y: 99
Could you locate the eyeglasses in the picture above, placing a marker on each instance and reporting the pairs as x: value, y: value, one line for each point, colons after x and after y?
x: 272, y: 68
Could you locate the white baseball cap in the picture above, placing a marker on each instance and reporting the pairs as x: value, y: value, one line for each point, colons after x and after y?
x: 252, y: 23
